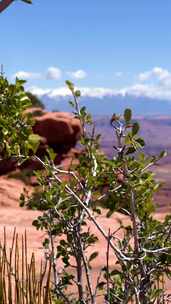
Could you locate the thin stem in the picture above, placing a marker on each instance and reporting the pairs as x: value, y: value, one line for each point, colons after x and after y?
x: 107, y: 266
x: 78, y: 257
x: 117, y: 251
x: 97, y: 284
x: 89, y: 193
x: 55, y: 274
x: 4, y: 4
x: 90, y: 288
x: 134, y: 223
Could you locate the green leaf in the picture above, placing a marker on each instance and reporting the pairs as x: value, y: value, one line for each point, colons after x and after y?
x: 59, y: 301
x: 130, y: 150
x: 162, y: 154
x: 33, y: 142
x: 22, y: 200
x: 27, y: 1
x: 83, y: 111
x: 127, y: 115
x: 140, y: 141
x: 128, y: 139
x: 70, y: 85
x: 72, y: 104
x: 51, y: 153
x: 135, y: 128
x: 93, y: 256
x: 109, y: 213
x: 101, y: 285
x: 97, y: 210
x: 77, y: 93
x: 115, y: 272
x: 46, y: 243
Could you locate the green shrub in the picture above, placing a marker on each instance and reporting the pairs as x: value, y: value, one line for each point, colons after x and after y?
x: 71, y: 199
x: 123, y: 184
x: 15, y: 127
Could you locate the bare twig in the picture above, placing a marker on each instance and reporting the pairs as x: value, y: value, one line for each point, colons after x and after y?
x: 97, y: 284
x: 107, y: 265
x: 117, y: 251
x: 4, y: 4
x: 88, y: 276
x: 134, y: 223
x: 78, y: 258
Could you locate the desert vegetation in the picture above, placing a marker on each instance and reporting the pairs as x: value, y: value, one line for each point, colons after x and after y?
x: 138, y: 252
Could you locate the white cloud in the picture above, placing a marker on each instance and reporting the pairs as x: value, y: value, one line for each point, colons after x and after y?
x: 137, y: 90
x: 26, y: 75
x: 38, y: 91
x: 155, y: 83
x: 118, y: 74
x: 53, y: 73
x: 144, y: 76
x: 64, y: 91
x: 97, y: 92
x: 79, y: 74
x: 159, y: 74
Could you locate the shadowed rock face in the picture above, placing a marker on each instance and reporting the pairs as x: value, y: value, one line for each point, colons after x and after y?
x: 58, y: 130
x: 7, y: 165
x: 61, y: 130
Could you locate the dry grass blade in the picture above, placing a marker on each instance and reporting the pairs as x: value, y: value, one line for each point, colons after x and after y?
x: 21, y: 280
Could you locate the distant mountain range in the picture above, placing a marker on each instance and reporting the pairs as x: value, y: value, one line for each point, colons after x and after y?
x: 154, y: 117
x: 107, y: 105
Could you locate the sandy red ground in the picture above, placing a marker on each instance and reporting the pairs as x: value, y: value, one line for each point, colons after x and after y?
x: 11, y: 215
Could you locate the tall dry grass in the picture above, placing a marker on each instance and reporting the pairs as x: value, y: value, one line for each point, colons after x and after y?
x: 22, y: 280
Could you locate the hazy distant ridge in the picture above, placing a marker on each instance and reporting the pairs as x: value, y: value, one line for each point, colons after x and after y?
x: 155, y: 130
x: 109, y: 104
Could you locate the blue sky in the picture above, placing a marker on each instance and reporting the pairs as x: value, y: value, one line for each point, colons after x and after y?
x: 117, y: 45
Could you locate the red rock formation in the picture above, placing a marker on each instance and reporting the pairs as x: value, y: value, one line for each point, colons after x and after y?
x: 60, y: 129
